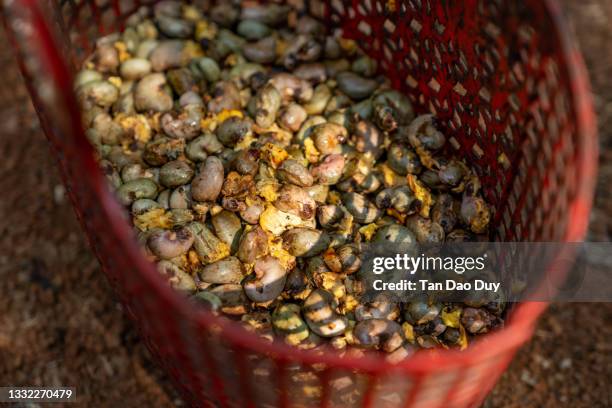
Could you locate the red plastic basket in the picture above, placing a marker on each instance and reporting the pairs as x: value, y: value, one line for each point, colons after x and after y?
x: 510, y: 89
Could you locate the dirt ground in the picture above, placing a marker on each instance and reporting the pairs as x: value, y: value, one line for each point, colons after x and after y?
x: 61, y: 325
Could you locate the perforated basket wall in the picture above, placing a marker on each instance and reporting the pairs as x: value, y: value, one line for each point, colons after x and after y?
x: 510, y: 91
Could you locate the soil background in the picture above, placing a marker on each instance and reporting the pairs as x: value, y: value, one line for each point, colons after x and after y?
x: 60, y: 323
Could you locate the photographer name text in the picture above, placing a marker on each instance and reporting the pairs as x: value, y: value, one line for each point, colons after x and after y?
x: 425, y: 284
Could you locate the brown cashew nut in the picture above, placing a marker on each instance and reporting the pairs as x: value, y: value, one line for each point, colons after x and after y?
x: 361, y: 208
x: 184, y: 124
x: 292, y: 117
x: 344, y: 259
x: 262, y: 51
x: 267, y: 282
x: 253, y: 245
x: 292, y: 171
x: 329, y: 170
x: 329, y: 215
x: 227, y: 227
x: 319, y: 309
x: 267, y: 103
x: 305, y: 242
x: 292, y: 87
x: 207, y: 184
x: 228, y: 270
x: 381, y: 307
x: 313, y: 72
x: 168, y: 244
x: 297, y: 201
x: 176, y: 277
x: 328, y: 137
x: 151, y: 94
x: 379, y: 333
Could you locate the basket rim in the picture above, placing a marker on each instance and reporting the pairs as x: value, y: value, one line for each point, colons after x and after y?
x: 521, y: 323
